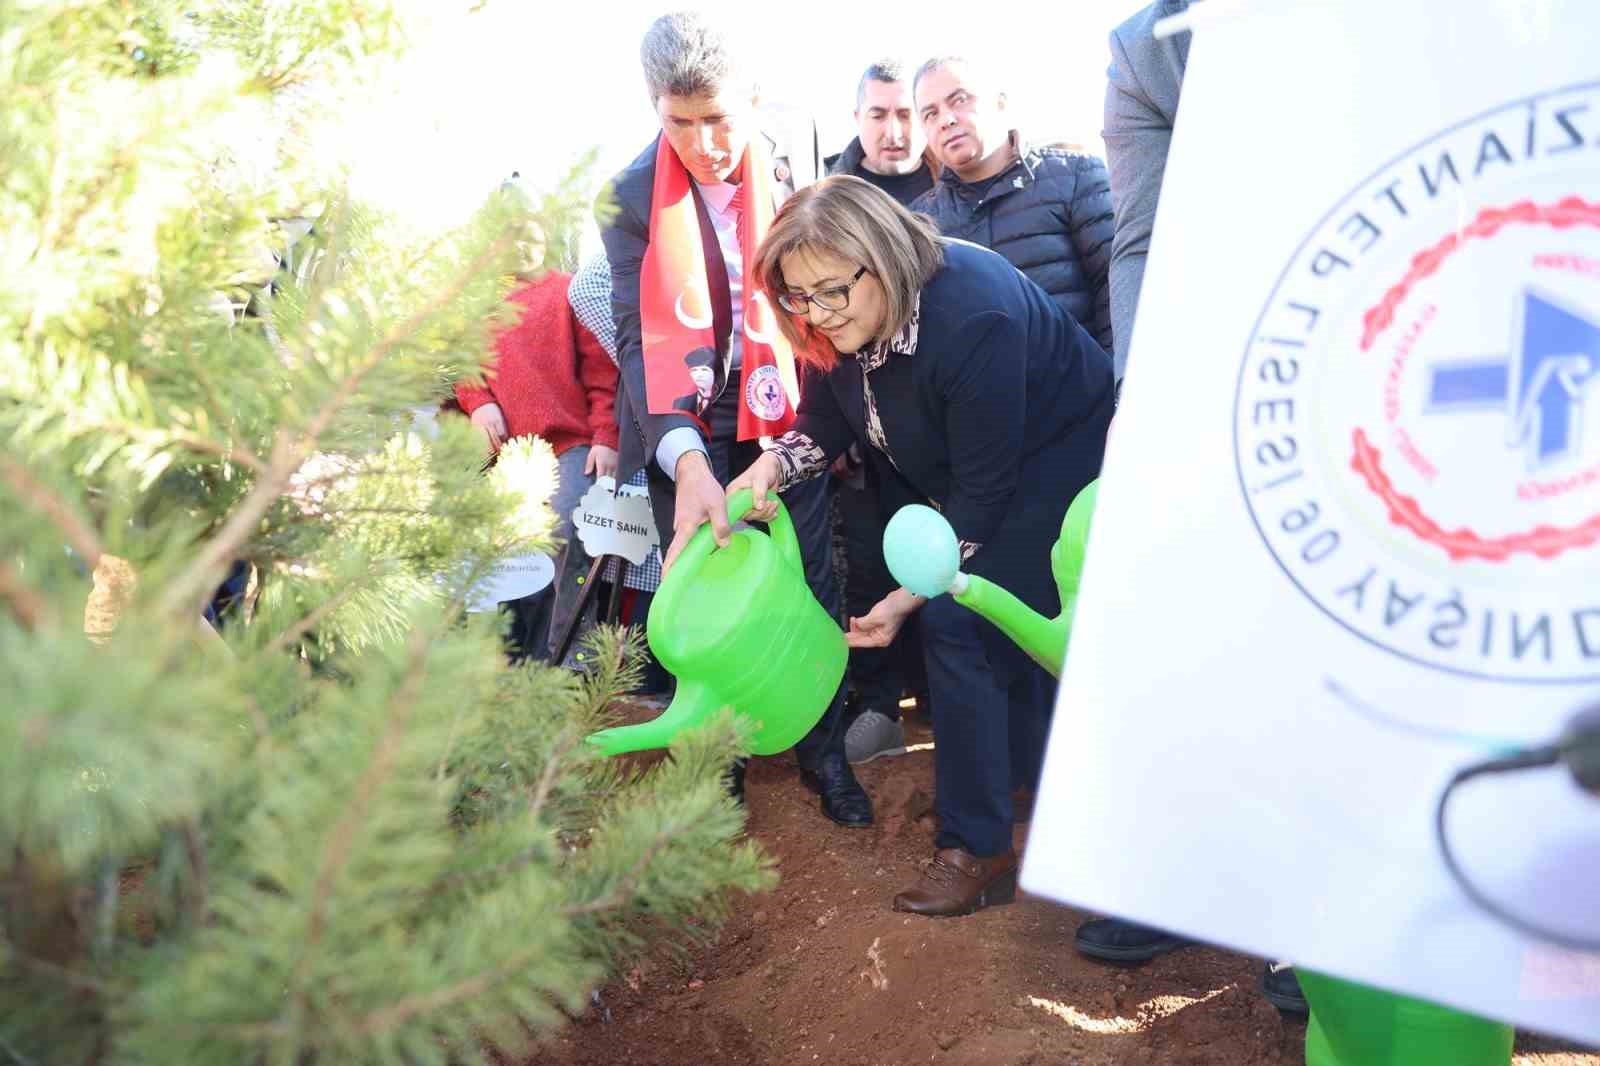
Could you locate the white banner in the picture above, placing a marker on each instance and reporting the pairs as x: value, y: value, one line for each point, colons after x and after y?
x: 1347, y: 532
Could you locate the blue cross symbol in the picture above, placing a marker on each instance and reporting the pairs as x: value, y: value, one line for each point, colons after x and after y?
x: 1540, y: 386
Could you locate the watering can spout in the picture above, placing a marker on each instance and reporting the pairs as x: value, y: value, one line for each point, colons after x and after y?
x: 694, y: 702
x: 1044, y: 639
x: 924, y: 556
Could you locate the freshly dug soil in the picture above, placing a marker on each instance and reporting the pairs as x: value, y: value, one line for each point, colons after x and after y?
x: 821, y: 970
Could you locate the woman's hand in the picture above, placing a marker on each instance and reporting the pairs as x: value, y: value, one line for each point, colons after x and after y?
x: 879, y: 627
x: 492, y: 421
x: 602, y: 462
x: 761, y: 479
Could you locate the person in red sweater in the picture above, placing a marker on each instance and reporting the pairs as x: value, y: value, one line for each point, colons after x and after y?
x: 551, y: 379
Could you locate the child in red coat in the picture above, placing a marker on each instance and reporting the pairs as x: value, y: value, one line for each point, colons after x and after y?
x: 551, y: 379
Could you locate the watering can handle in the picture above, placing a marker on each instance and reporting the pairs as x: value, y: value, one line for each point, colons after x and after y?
x: 781, y: 527
x: 700, y: 546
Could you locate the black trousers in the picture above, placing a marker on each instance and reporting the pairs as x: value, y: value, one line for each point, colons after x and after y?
x: 989, y: 730
x: 878, y: 675
x: 808, y: 506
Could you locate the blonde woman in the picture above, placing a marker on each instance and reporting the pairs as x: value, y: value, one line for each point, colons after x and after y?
x: 961, y: 380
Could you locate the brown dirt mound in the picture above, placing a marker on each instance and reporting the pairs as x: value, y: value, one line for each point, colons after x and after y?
x: 821, y: 970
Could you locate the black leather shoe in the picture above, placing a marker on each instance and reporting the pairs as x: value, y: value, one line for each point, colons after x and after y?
x: 1114, y: 940
x: 1282, y: 989
x: 736, y: 780
x: 843, y: 798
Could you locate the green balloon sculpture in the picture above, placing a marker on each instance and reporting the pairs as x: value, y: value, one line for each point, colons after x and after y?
x: 738, y: 627
x: 1351, y: 1024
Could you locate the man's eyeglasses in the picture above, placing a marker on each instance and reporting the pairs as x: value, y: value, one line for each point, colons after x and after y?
x: 834, y: 299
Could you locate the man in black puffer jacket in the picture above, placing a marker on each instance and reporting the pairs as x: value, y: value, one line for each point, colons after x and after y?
x: 889, y: 151
x: 1047, y: 210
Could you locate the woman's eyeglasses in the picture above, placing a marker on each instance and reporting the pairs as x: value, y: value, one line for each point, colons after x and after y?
x: 834, y: 299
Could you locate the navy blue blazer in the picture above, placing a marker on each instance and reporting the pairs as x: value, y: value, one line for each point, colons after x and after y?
x: 998, y: 418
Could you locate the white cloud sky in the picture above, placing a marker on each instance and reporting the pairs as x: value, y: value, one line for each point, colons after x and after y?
x: 529, y: 86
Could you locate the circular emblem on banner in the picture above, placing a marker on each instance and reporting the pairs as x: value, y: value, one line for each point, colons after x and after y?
x: 1409, y: 422
x: 764, y: 394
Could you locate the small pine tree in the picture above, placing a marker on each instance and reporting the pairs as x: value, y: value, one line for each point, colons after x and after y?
x: 335, y: 827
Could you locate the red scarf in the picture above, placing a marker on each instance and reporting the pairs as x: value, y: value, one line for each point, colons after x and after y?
x: 675, y: 316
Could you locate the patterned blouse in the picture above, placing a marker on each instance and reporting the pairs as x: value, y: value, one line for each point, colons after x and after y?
x: 801, y: 458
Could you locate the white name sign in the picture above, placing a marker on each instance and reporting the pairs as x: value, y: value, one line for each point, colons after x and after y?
x: 514, y: 578
x: 609, y: 522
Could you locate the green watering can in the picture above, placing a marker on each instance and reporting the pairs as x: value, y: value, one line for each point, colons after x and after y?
x: 1351, y: 1024
x: 1357, y: 1025
x: 922, y: 553
x: 738, y: 627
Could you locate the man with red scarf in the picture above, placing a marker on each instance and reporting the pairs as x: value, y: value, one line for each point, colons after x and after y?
x: 681, y: 222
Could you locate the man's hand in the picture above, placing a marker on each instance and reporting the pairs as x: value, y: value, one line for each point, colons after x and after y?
x: 761, y: 479
x: 492, y: 421
x: 699, y: 500
x: 879, y: 627
x: 602, y: 462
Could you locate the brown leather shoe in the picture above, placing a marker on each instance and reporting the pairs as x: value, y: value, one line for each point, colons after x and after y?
x: 956, y: 883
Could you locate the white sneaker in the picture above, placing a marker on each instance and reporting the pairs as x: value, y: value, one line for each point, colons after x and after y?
x: 873, y: 734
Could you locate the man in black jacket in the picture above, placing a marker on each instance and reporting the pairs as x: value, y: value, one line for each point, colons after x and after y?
x: 888, y: 150
x: 1047, y: 210
x: 706, y: 103
x: 890, y: 153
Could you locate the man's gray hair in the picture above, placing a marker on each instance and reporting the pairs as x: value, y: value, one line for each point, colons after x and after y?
x: 884, y: 70
x: 983, y: 73
x: 685, y: 54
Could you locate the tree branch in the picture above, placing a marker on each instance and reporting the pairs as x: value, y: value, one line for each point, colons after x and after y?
x: 79, y: 534
x: 259, y: 719
x: 243, y: 456
x: 404, y: 1010
x: 536, y: 804
x: 16, y: 1056
x: 29, y: 607
x: 198, y: 374
x: 309, y: 622
x: 630, y: 882
x: 195, y: 848
x: 547, y: 778
x: 56, y: 230
x: 82, y: 982
x: 467, y: 877
x: 186, y: 593
x: 336, y: 851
